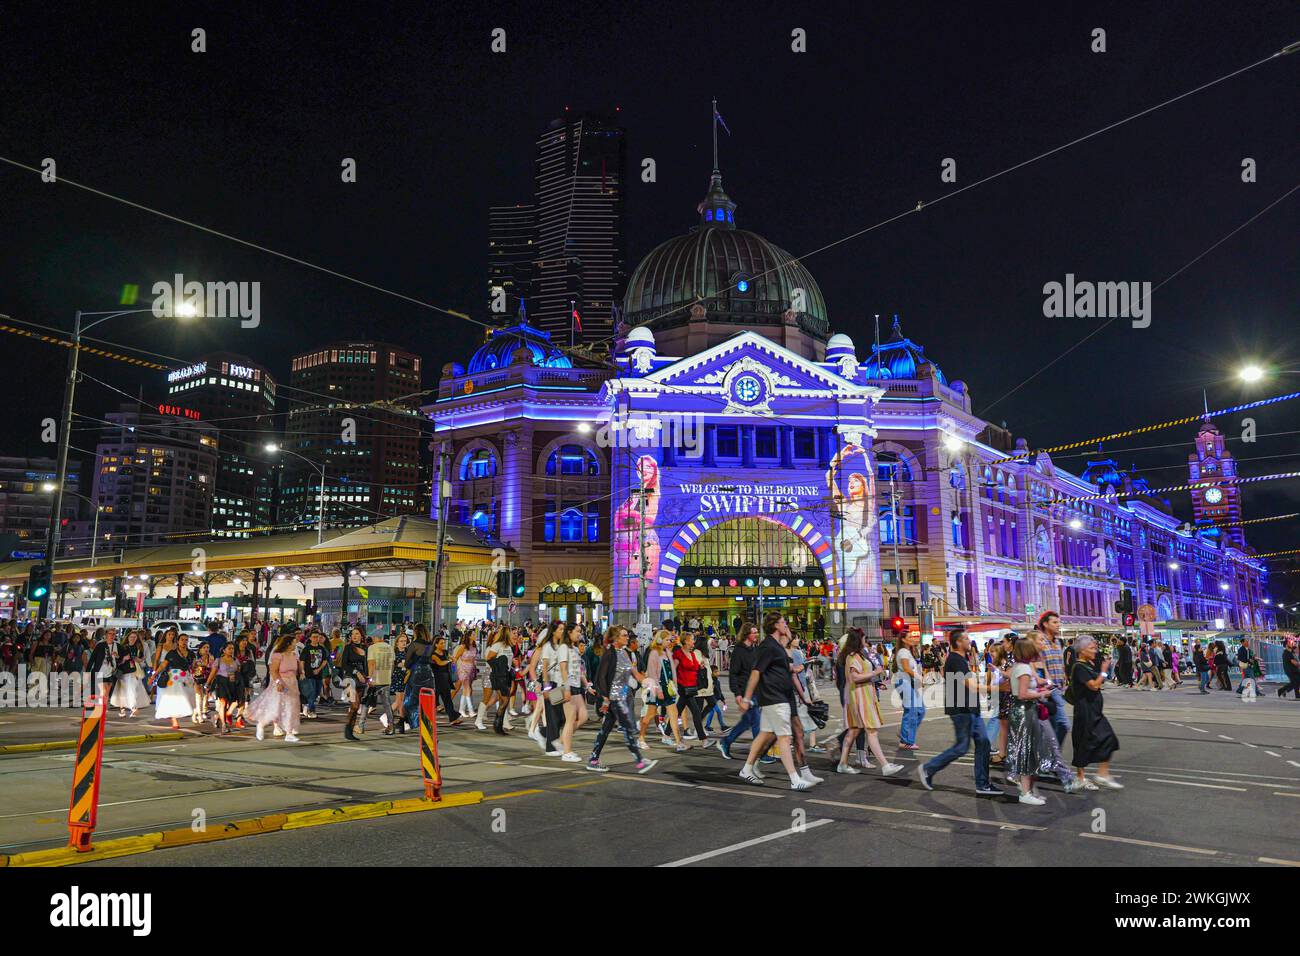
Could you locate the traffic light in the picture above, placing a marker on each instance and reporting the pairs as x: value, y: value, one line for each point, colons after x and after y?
x: 516, y: 582
x: 1130, y: 620
x: 503, y: 584
x: 1125, y: 603
x: 38, y: 582
x: 897, y: 626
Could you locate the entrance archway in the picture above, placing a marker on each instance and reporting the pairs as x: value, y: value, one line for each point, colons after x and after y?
x: 740, y: 567
x: 574, y: 599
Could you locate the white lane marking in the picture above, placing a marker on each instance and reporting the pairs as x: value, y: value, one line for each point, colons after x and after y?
x: 1188, y: 783
x: 1224, y: 737
x: 1174, y: 723
x: 1269, y: 859
x: 751, y: 792
x: 1159, y: 846
x: 123, y: 803
x: 1293, y: 763
x: 1250, y: 745
x: 1244, y: 783
x: 1001, y: 825
x: 1272, y: 753
x: 1197, y: 729
x: 721, y: 851
x: 1283, y: 793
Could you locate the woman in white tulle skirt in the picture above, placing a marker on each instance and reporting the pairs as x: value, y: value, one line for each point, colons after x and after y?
x: 280, y: 703
x: 176, y: 681
x: 128, y: 692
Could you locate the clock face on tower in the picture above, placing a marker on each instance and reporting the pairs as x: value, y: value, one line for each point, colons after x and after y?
x: 748, y: 389
x: 1213, y: 495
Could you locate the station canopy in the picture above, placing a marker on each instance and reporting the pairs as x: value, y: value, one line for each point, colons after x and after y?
x: 392, y: 544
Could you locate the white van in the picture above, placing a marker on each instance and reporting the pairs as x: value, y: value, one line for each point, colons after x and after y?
x: 194, y: 631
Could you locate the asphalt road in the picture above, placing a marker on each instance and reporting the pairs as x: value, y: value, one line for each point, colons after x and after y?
x: 1209, y: 781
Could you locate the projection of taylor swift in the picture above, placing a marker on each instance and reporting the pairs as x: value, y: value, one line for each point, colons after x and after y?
x: 851, y: 483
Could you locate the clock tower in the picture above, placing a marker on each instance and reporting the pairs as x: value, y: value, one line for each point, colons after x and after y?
x: 1216, y: 503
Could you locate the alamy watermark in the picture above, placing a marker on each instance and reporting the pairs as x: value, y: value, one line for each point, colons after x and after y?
x: 39, y: 689
x: 682, y: 430
x: 1084, y: 299
x: 218, y: 300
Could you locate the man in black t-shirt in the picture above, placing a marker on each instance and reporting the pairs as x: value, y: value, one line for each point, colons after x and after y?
x: 771, y: 688
x: 961, y: 702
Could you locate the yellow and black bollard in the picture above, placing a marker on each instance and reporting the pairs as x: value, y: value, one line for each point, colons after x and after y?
x: 84, y: 804
x: 429, y: 766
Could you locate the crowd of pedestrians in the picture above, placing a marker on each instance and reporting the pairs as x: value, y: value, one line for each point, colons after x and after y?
x: 1019, y: 701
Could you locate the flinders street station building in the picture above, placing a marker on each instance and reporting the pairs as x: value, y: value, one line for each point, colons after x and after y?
x: 732, y: 452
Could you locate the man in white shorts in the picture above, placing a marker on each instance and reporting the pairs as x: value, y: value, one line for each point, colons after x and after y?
x: 771, y: 688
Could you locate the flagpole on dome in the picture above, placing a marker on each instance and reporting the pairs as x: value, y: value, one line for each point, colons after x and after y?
x: 715, y: 134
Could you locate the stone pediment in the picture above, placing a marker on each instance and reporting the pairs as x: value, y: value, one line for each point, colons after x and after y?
x: 784, y: 373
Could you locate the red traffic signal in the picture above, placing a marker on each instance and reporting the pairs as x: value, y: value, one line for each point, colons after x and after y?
x: 897, y: 625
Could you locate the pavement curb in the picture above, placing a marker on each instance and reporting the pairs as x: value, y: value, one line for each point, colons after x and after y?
x: 269, y: 823
x: 72, y: 744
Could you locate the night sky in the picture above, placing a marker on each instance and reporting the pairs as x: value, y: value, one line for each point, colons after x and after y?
x: 248, y: 137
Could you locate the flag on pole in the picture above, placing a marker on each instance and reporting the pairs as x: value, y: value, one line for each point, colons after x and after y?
x: 723, y: 123
x: 577, y: 319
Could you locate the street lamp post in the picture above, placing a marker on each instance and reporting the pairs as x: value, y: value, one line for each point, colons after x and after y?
x: 65, y: 434
x: 320, y: 518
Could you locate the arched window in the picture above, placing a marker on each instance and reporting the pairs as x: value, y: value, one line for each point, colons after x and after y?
x: 907, y: 526
x: 481, y: 521
x: 889, y: 465
x: 571, y: 525
x: 478, y: 464
x: 573, y: 460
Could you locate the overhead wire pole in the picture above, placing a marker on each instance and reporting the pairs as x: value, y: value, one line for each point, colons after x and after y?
x: 65, y: 437
x: 444, y: 500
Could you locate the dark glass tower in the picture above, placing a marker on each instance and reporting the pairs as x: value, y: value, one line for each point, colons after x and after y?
x: 356, y: 413
x: 512, y: 240
x: 581, y: 248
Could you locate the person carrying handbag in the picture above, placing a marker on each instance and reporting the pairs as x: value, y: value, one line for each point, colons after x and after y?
x: 691, y: 671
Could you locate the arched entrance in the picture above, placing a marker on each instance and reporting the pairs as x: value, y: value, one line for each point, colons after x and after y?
x: 572, y: 600
x: 744, y: 566
x: 475, y: 602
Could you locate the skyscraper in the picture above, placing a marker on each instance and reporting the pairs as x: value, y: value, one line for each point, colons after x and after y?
x: 512, y: 239
x: 24, y: 504
x: 581, y: 247
x: 154, y: 476
x: 238, y: 396
x: 370, y: 453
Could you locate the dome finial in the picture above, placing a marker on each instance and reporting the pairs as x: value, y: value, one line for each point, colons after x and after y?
x: 898, y: 327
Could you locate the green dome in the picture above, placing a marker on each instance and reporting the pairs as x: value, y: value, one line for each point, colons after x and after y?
x: 738, y: 276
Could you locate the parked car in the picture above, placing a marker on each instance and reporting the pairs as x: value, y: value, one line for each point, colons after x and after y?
x: 195, y: 631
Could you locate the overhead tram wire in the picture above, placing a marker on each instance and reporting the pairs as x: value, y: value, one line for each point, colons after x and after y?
x: 1154, y: 289
x: 377, y: 405
x: 461, y: 315
x: 1129, y: 432
x: 920, y: 206
x: 251, y: 245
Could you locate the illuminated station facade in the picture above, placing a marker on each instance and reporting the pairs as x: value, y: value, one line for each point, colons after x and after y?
x: 732, y: 454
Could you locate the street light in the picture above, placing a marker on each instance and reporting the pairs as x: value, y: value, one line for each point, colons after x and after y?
x: 1257, y: 373
x: 65, y: 431
x: 320, y: 518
